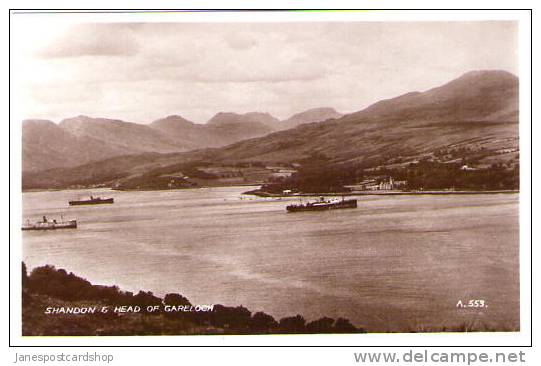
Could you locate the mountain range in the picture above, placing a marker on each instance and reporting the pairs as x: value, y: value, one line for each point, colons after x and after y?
x: 479, y: 108
x: 476, y: 114
x: 80, y: 140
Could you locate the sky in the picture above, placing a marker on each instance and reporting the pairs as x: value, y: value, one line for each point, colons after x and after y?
x: 140, y: 72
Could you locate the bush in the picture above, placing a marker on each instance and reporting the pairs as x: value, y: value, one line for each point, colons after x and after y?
x: 293, y: 324
x: 24, y: 280
x: 322, y: 325
x: 146, y: 298
x: 176, y: 300
x: 343, y: 325
x: 224, y: 316
x: 263, y: 323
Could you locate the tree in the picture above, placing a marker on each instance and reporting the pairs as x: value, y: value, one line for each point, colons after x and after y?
x: 146, y: 298
x: 24, y: 275
x: 293, y: 324
x: 263, y: 323
x: 343, y: 325
x: 322, y: 325
x: 226, y: 316
x: 176, y: 300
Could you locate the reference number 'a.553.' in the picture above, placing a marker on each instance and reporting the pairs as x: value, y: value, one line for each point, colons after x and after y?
x: 478, y: 303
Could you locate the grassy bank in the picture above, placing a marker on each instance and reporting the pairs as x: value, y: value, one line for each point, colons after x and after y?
x: 47, y: 288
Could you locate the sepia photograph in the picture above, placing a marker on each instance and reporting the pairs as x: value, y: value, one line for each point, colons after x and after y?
x: 267, y: 177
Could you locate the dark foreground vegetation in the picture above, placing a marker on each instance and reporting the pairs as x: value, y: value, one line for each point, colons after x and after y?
x: 47, y: 287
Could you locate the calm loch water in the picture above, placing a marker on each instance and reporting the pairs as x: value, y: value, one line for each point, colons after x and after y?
x: 394, y: 264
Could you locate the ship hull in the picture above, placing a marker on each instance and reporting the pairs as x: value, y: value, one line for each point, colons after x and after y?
x: 51, y: 226
x: 91, y: 202
x: 323, y: 207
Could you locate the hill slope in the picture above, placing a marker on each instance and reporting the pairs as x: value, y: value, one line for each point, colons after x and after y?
x: 126, y: 135
x: 79, y: 140
x: 474, y: 96
x: 309, y: 116
x: 252, y: 120
x: 477, y: 108
x: 83, y: 139
x: 223, y: 129
x: 477, y: 112
x: 46, y: 145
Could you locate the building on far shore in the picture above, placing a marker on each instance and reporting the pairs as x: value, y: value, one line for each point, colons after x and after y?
x: 379, y: 183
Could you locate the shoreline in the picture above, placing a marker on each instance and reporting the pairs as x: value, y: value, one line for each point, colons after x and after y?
x: 260, y: 193
x: 134, y: 190
x: 182, y: 189
x: 379, y: 193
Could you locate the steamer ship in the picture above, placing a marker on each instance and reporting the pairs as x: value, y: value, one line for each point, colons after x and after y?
x: 46, y: 224
x: 92, y: 201
x: 322, y: 205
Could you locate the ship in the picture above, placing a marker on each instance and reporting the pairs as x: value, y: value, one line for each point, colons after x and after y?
x: 92, y: 201
x: 323, y: 205
x: 46, y: 224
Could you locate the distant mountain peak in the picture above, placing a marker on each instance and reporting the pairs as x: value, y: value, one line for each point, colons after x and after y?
x: 254, y: 118
x: 320, y: 112
x: 37, y: 121
x: 309, y: 116
x: 482, y: 77
x: 488, y: 72
x: 258, y: 114
x: 475, y: 95
x: 222, y: 117
x: 84, y: 119
x: 173, y: 119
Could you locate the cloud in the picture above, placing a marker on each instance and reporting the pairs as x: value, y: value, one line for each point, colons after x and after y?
x: 93, y: 40
x: 140, y: 72
x: 253, y: 69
